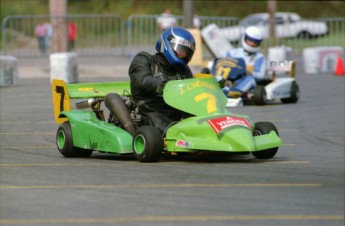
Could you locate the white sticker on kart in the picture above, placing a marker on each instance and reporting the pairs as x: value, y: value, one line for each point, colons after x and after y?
x: 283, y: 66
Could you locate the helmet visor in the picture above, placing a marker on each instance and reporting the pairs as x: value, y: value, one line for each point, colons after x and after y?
x: 252, y: 41
x: 183, y: 48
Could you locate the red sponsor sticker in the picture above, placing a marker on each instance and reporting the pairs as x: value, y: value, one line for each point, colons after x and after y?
x: 218, y: 124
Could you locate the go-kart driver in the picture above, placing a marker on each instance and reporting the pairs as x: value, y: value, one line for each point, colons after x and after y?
x: 255, y: 63
x: 149, y: 73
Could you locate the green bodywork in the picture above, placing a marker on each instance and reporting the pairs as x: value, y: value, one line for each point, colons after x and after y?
x: 89, y: 90
x: 212, y: 128
x: 88, y: 131
x: 203, y: 98
x: 195, y: 134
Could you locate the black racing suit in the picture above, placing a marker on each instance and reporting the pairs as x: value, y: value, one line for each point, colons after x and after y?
x: 148, y: 75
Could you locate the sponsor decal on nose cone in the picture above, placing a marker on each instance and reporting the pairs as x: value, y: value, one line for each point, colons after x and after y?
x: 219, y: 124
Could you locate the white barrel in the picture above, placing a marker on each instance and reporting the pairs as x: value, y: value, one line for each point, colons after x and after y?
x: 64, y: 66
x: 8, y: 71
x: 321, y: 59
x: 279, y: 53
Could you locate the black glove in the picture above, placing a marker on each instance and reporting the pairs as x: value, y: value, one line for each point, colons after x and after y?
x: 249, y: 73
x: 160, y: 88
x: 220, y: 81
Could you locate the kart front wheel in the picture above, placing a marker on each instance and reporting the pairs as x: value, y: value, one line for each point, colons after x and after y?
x: 262, y: 128
x: 260, y: 95
x: 147, y: 144
x: 294, y: 94
x: 64, y: 142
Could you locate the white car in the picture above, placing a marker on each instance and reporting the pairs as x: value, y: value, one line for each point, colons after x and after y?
x: 288, y: 25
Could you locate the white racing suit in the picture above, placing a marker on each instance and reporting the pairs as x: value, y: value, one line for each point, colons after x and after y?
x: 255, y: 67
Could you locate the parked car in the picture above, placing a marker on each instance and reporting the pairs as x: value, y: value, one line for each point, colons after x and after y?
x: 288, y: 25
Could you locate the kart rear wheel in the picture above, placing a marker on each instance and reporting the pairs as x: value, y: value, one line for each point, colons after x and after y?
x: 294, y: 94
x: 147, y: 144
x: 259, y: 95
x: 262, y: 128
x: 64, y: 142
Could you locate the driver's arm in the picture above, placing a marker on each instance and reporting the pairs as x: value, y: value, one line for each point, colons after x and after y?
x: 259, y: 71
x: 141, y: 76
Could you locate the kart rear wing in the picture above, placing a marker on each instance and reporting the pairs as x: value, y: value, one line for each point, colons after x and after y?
x: 62, y: 93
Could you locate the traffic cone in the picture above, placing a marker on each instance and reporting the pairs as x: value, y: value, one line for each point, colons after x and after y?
x: 339, y: 67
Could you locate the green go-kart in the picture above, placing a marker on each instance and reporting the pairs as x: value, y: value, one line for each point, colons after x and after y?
x: 209, y: 127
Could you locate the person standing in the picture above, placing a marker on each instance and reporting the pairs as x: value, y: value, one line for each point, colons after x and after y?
x: 41, y: 35
x: 49, y: 35
x: 196, y: 21
x: 166, y: 20
x: 72, y: 35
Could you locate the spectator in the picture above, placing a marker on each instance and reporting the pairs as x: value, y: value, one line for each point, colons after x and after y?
x: 196, y: 22
x: 41, y: 34
x: 49, y: 30
x: 72, y: 35
x: 166, y: 20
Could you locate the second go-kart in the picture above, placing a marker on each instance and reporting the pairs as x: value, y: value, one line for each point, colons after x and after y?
x: 276, y: 86
x: 210, y: 127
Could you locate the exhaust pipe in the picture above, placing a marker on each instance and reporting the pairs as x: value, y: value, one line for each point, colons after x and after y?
x: 117, y: 107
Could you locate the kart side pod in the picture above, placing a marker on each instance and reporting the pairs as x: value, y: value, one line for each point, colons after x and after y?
x: 88, y: 132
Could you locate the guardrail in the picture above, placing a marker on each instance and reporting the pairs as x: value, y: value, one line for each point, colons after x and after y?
x: 97, y: 35
x: 111, y: 35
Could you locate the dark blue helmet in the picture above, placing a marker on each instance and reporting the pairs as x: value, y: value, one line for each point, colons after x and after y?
x: 177, y: 45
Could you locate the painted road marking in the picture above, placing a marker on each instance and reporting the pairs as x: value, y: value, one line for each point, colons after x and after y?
x: 28, y: 122
x: 137, y: 163
x: 113, y: 186
x: 289, y: 144
x: 288, y: 130
x: 173, y: 219
x: 274, y: 120
x: 286, y: 162
x: 28, y: 133
x: 27, y: 147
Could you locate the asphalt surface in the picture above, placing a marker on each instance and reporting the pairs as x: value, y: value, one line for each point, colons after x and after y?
x: 302, y: 185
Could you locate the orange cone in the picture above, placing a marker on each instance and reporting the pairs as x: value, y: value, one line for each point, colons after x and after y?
x: 339, y: 67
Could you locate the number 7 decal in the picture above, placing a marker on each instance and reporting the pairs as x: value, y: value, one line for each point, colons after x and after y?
x: 60, y: 99
x: 211, y: 101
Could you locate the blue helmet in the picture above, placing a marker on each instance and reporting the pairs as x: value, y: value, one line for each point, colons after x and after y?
x: 177, y: 45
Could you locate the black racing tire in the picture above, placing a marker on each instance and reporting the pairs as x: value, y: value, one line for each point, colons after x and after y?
x: 64, y: 142
x: 259, y: 96
x: 294, y: 94
x: 83, y: 153
x: 147, y: 144
x: 262, y: 128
